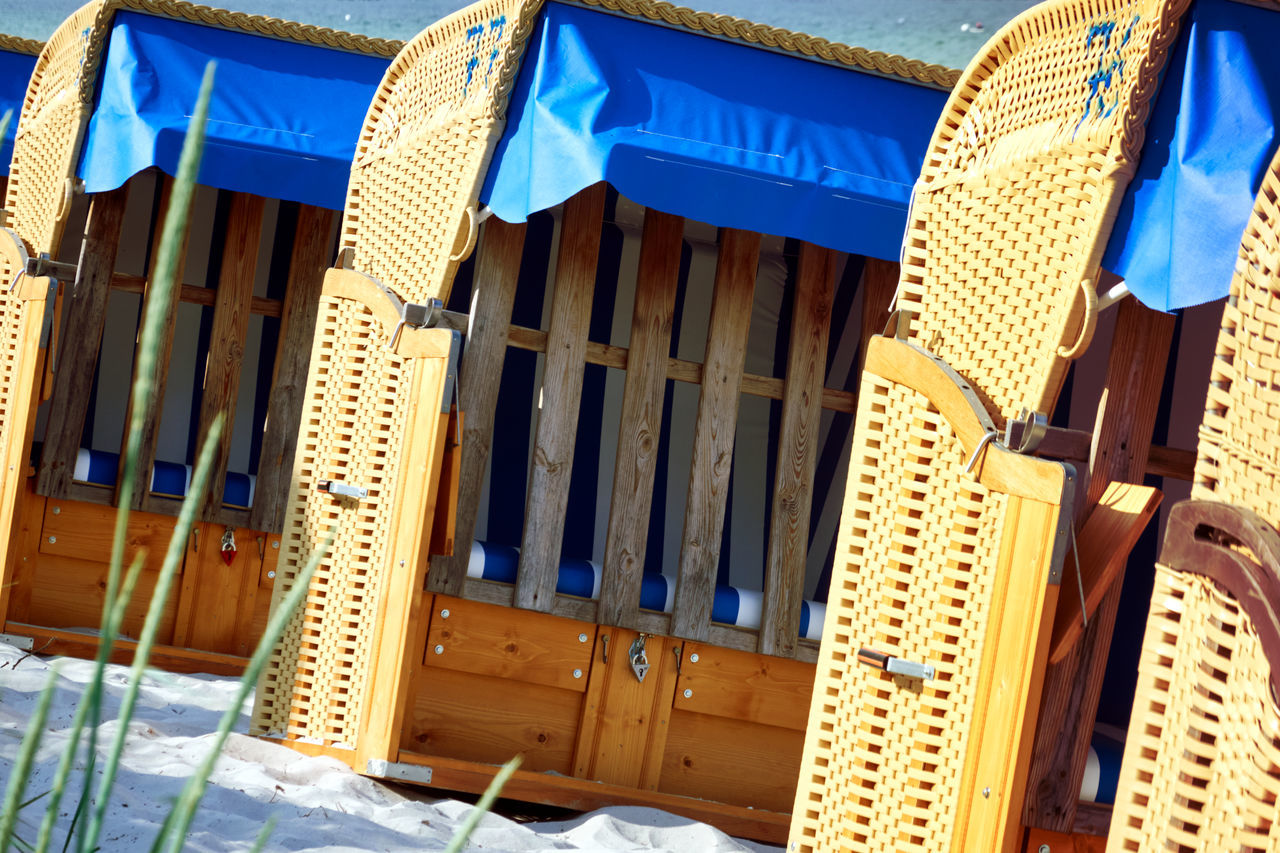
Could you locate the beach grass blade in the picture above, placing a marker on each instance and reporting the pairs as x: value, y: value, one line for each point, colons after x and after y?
x: 469, y: 825
x: 26, y: 757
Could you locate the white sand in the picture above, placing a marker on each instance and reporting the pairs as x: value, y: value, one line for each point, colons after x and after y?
x: 318, y: 803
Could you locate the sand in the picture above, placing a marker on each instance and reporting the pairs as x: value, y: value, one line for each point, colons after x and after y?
x: 318, y: 803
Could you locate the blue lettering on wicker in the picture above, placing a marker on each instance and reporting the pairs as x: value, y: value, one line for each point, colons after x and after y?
x: 475, y: 36
x: 1103, y: 98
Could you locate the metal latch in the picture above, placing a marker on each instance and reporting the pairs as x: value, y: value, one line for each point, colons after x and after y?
x: 1024, y: 433
x: 410, y: 313
x: 639, y: 660
x: 896, y: 666
x: 342, y: 490
x: 42, y: 264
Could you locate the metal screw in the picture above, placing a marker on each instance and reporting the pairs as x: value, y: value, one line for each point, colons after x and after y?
x: 439, y: 650
x: 582, y: 638
x: 444, y: 614
x: 1044, y: 848
x: 53, y: 539
x: 986, y: 792
x: 57, y: 510
x: 693, y: 658
x: 275, y: 544
x: 687, y: 693
x: 577, y: 673
x: 402, y: 564
x: 271, y: 574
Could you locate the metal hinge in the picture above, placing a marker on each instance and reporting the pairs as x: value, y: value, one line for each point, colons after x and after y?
x: 26, y: 644
x: 896, y: 666
x: 396, y: 770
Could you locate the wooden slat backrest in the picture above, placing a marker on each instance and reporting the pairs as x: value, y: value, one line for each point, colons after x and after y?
x: 1020, y: 185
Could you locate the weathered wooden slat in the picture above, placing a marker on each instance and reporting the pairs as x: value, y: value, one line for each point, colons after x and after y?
x: 151, y: 418
x: 307, y: 263
x: 561, y: 398
x: 879, y: 283
x: 797, y: 452
x: 497, y: 273
x: 640, y: 429
x: 714, y: 432
x: 75, y: 363
x: 1122, y: 438
x: 229, y: 329
x: 193, y: 295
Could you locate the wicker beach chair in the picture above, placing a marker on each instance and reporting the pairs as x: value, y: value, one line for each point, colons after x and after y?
x: 1010, y: 217
x: 1201, y: 767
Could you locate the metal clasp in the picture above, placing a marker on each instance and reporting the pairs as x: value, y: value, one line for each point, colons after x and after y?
x: 894, y: 665
x: 639, y: 660
x: 1024, y: 433
x: 342, y: 490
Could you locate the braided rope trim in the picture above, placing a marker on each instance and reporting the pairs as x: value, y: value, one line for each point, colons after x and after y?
x: 223, y: 19
x: 1149, y: 78
x: 513, y: 57
x: 786, y: 40
x: 13, y: 44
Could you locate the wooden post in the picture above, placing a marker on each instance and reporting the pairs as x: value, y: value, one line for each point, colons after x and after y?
x: 713, y: 437
x: 561, y: 397
x: 310, y: 258
x: 497, y: 274
x: 1121, y: 442
x: 879, y: 283
x: 797, y: 452
x: 227, y: 338
x: 641, y: 418
x: 86, y: 319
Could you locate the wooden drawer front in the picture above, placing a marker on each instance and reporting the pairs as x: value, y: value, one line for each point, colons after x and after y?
x: 731, y: 761
x: 744, y: 686
x: 520, y: 645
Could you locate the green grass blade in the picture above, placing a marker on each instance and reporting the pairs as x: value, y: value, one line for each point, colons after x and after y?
x: 155, y: 612
x: 469, y: 825
x: 189, y: 799
x: 21, y: 770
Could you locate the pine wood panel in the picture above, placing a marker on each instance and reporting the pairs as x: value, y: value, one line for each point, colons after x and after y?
x: 222, y: 608
x: 640, y: 427
x: 731, y: 761
x: 535, y: 648
x: 19, y: 561
x: 497, y: 273
x: 743, y: 686
x: 797, y: 452
x: 561, y: 398
x: 84, y: 531
x: 481, y: 718
x: 625, y: 720
x: 228, y: 332
x: 307, y: 263
x: 78, y: 357
x: 68, y: 593
x: 715, y: 429
x: 1073, y: 685
x: 50, y: 641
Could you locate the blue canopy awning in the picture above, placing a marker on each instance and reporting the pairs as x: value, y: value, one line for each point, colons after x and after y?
x: 283, y: 121
x: 713, y: 130
x: 15, y: 75
x: 1210, y: 139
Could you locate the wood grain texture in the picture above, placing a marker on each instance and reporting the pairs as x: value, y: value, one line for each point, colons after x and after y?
x: 217, y: 602
x: 745, y: 686
x: 548, y: 496
x: 227, y: 335
x: 50, y: 641
x: 640, y: 427
x: 497, y: 273
x: 1122, y: 438
x: 85, y: 320
x: 797, y: 452
x: 311, y: 249
x: 879, y: 283
x: 20, y: 559
x: 715, y: 430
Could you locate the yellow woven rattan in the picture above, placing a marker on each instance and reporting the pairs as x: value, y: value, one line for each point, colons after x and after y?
x: 410, y: 215
x: 1019, y: 188
x: 1201, y: 766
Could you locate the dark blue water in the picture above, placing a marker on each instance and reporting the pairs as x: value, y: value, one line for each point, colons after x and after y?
x: 942, y: 31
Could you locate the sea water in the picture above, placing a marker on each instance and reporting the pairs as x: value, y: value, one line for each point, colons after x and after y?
x: 947, y: 32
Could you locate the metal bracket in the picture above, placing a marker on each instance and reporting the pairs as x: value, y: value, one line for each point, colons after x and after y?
x: 894, y: 665
x: 42, y: 264
x: 451, y: 374
x: 342, y: 490
x: 1024, y: 433
x: 1065, y: 534
x: 24, y: 258
x: 424, y: 316
x: 397, y: 770
x: 26, y: 644
x: 639, y: 660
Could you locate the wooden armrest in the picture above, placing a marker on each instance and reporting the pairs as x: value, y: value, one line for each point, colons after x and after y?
x: 1103, y: 546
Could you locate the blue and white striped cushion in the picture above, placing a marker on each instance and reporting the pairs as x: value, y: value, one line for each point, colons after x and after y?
x: 168, y: 479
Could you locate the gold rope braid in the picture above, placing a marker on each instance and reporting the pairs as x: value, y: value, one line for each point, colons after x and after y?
x: 1135, y: 118
x: 529, y: 14
x: 207, y: 15
x: 775, y: 37
x: 13, y: 44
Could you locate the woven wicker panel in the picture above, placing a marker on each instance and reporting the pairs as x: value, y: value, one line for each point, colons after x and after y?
x: 1239, y: 452
x: 352, y: 428
x: 426, y: 146
x: 915, y: 560
x: 1201, y: 767
x: 1019, y: 190
x: 16, y: 316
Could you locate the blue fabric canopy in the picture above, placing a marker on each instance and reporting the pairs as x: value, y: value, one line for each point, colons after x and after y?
x: 1209, y: 141
x: 283, y: 121
x: 714, y: 130
x: 15, y: 74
